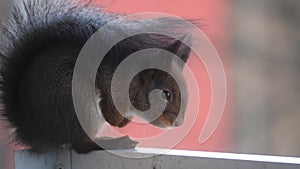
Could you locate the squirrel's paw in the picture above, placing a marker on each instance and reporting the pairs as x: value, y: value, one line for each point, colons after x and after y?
x: 116, y: 143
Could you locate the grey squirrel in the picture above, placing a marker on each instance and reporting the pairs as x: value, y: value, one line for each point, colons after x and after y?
x: 38, y: 50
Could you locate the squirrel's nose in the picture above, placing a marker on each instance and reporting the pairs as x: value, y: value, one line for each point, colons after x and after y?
x: 178, y: 123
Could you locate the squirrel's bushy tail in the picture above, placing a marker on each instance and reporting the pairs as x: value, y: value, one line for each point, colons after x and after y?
x: 35, y: 24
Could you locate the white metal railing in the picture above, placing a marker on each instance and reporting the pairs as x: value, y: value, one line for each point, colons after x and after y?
x: 173, y: 159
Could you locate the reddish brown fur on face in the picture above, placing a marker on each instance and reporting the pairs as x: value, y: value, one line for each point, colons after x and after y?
x: 165, y: 121
x: 162, y: 121
x: 151, y: 79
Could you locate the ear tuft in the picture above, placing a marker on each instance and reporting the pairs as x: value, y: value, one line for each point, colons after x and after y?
x: 181, y: 47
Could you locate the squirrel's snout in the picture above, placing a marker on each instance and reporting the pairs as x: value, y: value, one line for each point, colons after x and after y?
x: 178, y: 123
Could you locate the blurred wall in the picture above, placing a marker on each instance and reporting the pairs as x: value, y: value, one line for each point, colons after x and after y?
x: 266, y: 68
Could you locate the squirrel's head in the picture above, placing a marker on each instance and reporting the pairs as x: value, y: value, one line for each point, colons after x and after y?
x: 172, y: 92
x: 166, y: 81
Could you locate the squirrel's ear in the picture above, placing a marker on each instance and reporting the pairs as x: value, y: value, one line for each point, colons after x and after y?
x: 181, y: 49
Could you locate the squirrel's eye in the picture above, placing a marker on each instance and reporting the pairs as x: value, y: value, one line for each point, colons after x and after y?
x: 167, y: 95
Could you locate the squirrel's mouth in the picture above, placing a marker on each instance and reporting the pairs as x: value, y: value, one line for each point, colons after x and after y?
x: 163, y: 122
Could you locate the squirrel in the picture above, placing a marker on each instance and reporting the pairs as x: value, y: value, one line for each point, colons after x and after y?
x: 39, y: 46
